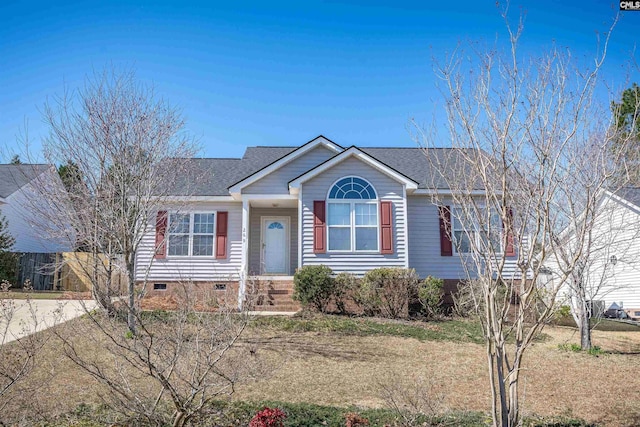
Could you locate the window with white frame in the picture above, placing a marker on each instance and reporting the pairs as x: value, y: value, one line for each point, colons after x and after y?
x: 191, y: 234
x: 352, y: 216
x: 479, y: 227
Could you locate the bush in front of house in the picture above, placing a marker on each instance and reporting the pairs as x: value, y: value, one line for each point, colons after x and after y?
x: 430, y: 296
x: 314, y: 286
x: 387, y: 291
x: 346, y: 289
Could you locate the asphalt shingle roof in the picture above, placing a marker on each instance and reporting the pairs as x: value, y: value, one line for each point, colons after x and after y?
x: 632, y: 194
x: 14, y: 177
x: 215, y: 176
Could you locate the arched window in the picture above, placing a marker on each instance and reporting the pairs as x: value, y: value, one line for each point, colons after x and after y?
x: 352, y: 216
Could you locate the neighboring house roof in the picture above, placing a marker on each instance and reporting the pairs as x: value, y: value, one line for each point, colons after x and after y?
x: 214, y: 176
x: 14, y: 177
x: 630, y: 194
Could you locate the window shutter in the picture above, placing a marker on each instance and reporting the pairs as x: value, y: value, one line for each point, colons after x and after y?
x: 161, y: 231
x: 221, y: 235
x: 510, y: 250
x: 319, y: 227
x: 386, y: 228
x: 446, y: 247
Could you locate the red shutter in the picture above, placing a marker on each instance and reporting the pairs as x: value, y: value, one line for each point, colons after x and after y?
x: 319, y: 227
x: 161, y: 231
x: 510, y: 250
x: 446, y: 247
x: 386, y: 228
x: 221, y: 235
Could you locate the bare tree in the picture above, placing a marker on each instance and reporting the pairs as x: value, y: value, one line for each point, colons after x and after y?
x: 127, y: 159
x: 126, y: 148
x: 530, y: 156
x: 176, y: 364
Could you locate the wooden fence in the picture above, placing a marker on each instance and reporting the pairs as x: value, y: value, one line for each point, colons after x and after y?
x: 67, y: 271
x: 77, y: 271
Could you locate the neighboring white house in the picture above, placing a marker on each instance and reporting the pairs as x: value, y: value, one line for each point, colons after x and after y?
x: 18, y: 196
x: 280, y: 208
x: 612, y: 267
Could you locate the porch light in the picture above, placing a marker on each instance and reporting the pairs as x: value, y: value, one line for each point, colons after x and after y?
x: 613, y: 260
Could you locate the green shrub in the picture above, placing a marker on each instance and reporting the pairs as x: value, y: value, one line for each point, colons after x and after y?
x: 346, y: 289
x: 562, y: 313
x: 387, y: 291
x: 314, y: 286
x: 430, y: 295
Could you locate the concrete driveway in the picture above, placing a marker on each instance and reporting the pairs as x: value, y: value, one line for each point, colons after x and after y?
x: 26, y: 317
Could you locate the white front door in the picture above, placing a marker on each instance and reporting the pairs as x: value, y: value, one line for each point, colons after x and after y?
x: 275, y: 245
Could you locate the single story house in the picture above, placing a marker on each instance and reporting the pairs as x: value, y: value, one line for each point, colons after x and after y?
x: 280, y: 208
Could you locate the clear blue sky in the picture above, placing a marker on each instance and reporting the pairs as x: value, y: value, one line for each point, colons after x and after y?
x: 276, y: 73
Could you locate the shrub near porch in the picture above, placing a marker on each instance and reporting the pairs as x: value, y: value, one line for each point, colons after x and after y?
x: 383, y: 292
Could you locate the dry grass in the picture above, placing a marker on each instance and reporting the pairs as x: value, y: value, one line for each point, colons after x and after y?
x: 333, y: 369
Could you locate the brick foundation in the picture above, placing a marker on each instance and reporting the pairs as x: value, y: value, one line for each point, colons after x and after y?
x: 203, y: 295
x: 261, y: 295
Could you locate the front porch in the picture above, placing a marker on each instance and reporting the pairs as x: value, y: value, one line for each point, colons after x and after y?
x: 270, y: 247
x: 272, y: 293
x: 273, y: 241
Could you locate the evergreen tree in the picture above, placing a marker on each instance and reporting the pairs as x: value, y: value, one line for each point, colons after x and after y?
x: 626, y: 115
x: 8, y: 259
x: 15, y: 160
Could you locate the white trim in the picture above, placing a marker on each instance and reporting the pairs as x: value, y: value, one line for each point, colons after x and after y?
x: 300, y: 228
x: 622, y: 200
x: 351, y: 152
x: 244, y: 253
x: 199, y: 199
x: 190, y: 234
x: 406, y: 227
x: 352, y: 226
x: 287, y: 254
x: 320, y: 140
x: 446, y: 192
x: 476, y: 231
x: 350, y: 176
x: 252, y: 197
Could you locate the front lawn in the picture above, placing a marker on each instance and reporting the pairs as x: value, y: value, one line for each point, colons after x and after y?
x: 319, y: 368
x: 464, y: 331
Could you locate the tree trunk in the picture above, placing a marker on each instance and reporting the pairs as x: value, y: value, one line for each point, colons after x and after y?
x: 585, y: 330
x: 179, y: 419
x: 131, y: 312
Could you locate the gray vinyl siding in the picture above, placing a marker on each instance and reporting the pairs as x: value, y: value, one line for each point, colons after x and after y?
x: 387, y: 189
x: 194, y: 268
x: 424, y: 241
x: 255, y: 230
x: 277, y: 182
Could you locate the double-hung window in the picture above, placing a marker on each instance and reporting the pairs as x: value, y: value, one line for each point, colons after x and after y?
x: 477, y: 228
x: 191, y: 234
x: 352, y: 216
